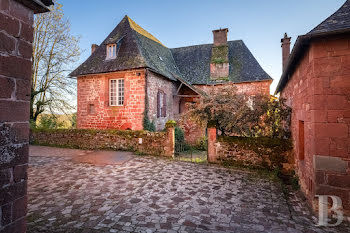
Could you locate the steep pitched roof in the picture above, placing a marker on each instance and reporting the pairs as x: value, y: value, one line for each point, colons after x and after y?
x: 137, y: 48
x: 337, y: 23
x: 194, y: 63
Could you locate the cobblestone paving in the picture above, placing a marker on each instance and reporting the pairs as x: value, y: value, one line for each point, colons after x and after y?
x: 149, y: 194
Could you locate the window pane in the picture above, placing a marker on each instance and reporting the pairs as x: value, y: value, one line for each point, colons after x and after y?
x: 121, y: 92
x: 112, y: 93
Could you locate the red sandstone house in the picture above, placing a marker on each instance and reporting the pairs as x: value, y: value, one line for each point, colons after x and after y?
x: 316, y: 84
x: 131, y: 74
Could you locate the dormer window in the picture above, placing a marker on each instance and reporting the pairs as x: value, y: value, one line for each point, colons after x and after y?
x: 111, y: 51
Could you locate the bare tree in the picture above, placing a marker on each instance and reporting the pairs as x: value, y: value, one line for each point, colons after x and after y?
x: 55, y: 50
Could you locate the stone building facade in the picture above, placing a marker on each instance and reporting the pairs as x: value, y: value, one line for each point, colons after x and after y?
x: 316, y: 85
x: 94, y: 110
x: 16, y: 37
x: 157, y: 82
x: 140, y: 86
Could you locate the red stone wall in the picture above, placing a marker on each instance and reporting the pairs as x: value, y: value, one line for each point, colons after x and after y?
x: 16, y: 37
x: 157, y: 82
x: 247, y: 88
x: 194, y: 133
x: 94, y: 89
x: 319, y: 94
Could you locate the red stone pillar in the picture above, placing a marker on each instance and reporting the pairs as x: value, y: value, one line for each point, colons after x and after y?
x: 170, y: 139
x: 212, y: 157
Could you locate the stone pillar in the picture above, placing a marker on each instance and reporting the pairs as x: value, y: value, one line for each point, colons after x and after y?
x: 170, y: 138
x: 212, y: 157
x: 16, y: 37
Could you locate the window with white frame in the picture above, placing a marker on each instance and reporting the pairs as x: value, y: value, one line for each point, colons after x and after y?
x: 111, y: 51
x: 116, y: 92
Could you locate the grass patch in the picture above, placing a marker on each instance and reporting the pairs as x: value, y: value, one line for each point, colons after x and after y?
x: 192, y: 160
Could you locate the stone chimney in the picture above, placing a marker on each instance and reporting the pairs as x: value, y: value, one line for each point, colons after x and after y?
x: 220, y: 36
x: 219, y: 66
x: 285, y: 44
x: 93, y: 48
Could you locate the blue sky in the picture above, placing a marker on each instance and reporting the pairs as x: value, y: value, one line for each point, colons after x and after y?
x: 259, y: 23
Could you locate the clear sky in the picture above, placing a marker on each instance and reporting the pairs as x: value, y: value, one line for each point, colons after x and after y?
x: 176, y: 23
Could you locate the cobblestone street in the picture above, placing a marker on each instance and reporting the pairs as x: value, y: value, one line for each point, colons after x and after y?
x: 149, y: 194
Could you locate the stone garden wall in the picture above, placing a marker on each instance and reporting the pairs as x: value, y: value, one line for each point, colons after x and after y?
x: 251, y: 152
x: 143, y: 142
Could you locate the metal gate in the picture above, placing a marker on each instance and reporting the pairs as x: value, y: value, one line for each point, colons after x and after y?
x: 186, y: 152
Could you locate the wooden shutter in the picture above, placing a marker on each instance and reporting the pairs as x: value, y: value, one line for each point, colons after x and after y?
x: 158, y: 104
x: 164, y: 105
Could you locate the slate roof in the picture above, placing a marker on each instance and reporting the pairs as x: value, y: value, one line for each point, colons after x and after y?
x: 194, y: 63
x: 337, y: 23
x: 137, y: 48
x: 340, y: 20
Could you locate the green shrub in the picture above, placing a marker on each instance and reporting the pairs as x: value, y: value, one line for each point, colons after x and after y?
x: 147, y: 124
x: 32, y: 124
x: 179, y: 135
x: 202, y: 143
x: 295, y: 182
x: 73, y: 120
x: 49, y: 122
